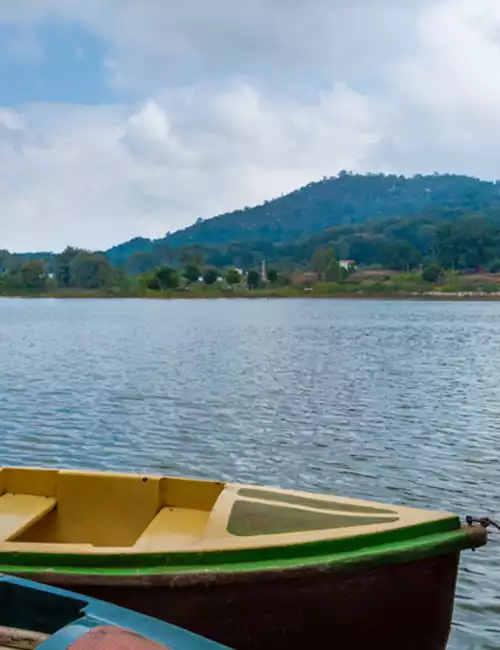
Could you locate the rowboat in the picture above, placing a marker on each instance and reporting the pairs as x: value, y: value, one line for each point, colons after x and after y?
x: 39, y: 617
x: 251, y: 567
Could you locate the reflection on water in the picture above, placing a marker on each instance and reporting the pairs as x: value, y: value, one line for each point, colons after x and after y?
x: 393, y: 401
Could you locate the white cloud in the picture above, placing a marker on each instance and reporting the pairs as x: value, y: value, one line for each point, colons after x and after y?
x: 96, y: 175
x: 149, y: 139
x: 283, y: 43
x: 443, y: 103
x: 239, y: 103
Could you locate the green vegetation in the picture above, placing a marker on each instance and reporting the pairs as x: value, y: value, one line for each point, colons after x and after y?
x: 192, y: 272
x: 432, y: 273
x: 72, y: 272
x: 167, y: 278
x: 344, y: 200
x: 210, y: 276
x: 32, y: 275
x: 253, y: 279
x: 272, y: 276
x: 233, y: 277
x: 408, y: 236
x: 391, y: 221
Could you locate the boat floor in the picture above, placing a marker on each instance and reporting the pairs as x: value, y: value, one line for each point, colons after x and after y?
x: 50, y: 511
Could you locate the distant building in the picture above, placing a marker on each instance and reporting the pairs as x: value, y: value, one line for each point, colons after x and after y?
x: 348, y: 264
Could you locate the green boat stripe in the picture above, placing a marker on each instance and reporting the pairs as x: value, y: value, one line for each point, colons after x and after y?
x: 332, y: 551
x: 382, y: 554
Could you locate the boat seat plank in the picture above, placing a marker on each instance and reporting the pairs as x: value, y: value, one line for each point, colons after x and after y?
x: 173, y: 527
x: 20, y: 511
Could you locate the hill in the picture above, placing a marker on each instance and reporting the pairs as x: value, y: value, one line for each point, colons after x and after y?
x: 375, y: 219
x: 343, y: 200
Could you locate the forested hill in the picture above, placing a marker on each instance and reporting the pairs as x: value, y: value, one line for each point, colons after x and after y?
x: 347, y: 199
x: 391, y: 222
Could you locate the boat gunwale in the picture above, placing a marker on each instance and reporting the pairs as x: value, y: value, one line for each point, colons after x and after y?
x: 156, y: 567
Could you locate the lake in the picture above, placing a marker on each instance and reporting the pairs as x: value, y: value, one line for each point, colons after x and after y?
x: 392, y: 401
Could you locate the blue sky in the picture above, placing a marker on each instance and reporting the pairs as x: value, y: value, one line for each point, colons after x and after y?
x: 121, y: 118
x: 56, y: 61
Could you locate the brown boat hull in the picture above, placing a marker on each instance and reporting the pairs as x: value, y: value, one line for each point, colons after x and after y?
x: 406, y: 606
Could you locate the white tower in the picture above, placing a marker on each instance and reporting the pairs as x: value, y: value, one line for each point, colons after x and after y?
x: 263, y: 272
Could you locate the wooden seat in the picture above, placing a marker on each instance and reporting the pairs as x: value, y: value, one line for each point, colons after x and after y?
x: 20, y: 511
x: 173, y: 527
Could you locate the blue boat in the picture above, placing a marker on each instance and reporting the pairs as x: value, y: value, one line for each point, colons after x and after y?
x: 35, y: 616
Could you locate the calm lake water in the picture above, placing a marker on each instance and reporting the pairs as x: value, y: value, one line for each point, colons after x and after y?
x: 392, y: 401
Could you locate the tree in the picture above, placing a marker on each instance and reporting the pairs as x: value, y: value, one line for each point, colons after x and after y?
x: 191, y: 272
x: 210, y: 276
x: 321, y: 260
x: 89, y: 271
x: 334, y: 273
x: 62, y: 265
x: 140, y: 263
x: 494, y: 266
x: 272, y: 276
x: 431, y: 273
x: 253, y: 279
x: 399, y: 256
x: 233, y: 277
x: 150, y: 281
x: 192, y: 254
x: 117, y: 282
x: 33, y: 275
x: 168, y: 278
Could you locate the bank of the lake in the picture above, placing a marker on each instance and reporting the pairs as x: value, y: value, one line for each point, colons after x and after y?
x: 167, y: 283
x: 255, y: 294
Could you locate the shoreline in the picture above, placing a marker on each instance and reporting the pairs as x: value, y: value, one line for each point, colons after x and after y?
x: 258, y: 295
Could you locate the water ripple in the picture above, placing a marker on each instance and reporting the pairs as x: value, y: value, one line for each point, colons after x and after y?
x: 395, y: 401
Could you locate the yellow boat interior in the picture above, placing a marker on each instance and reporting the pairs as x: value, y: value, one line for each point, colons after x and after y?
x: 55, y: 511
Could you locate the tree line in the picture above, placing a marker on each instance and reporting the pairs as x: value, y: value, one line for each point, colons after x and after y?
x: 167, y: 277
x: 453, y: 239
x: 74, y: 268
x: 77, y: 269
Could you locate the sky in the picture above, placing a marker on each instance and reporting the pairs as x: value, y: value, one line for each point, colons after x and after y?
x: 124, y: 118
